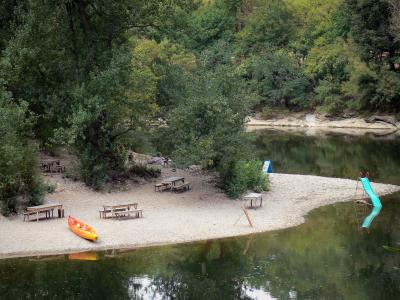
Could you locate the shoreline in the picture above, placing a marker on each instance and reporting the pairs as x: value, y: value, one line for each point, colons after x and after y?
x: 312, y: 121
x: 201, y: 214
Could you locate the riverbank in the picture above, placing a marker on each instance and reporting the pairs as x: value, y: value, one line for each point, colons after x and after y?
x: 371, y: 124
x: 200, y: 214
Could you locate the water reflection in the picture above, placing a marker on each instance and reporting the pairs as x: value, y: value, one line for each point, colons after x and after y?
x: 325, y: 258
x: 332, y: 154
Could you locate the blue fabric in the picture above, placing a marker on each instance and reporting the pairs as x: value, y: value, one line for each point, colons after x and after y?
x: 267, y: 167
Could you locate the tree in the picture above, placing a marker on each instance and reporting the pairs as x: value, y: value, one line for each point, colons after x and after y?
x: 71, y: 62
x: 19, y: 174
x: 395, y: 18
x: 267, y: 27
x: 279, y: 80
x: 370, y: 28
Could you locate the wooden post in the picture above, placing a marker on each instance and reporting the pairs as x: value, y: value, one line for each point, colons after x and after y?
x: 247, y: 216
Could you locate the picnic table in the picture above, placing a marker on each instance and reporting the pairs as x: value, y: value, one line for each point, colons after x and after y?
x: 51, y: 165
x: 255, y: 200
x: 47, y: 209
x: 174, y: 184
x: 173, y: 180
x: 120, y: 210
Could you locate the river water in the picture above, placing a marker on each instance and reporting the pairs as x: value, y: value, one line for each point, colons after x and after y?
x: 325, y: 258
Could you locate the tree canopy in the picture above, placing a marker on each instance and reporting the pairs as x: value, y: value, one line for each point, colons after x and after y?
x: 95, y: 76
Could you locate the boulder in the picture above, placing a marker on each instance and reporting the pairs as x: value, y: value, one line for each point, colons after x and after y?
x: 385, y: 119
x: 156, y: 160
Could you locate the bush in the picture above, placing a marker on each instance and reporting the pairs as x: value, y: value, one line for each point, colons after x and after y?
x: 19, y: 172
x: 269, y: 112
x: 240, y: 176
x: 145, y: 170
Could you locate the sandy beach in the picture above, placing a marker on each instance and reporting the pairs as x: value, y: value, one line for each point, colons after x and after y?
x: 199, y: 214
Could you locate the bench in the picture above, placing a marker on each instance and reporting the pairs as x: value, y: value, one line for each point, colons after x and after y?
x: 159, y: 187
x: 47, y: 209
x: 36, y: 213
x: 137, y: 212
x: 104, y: 212
x: 182, y: 187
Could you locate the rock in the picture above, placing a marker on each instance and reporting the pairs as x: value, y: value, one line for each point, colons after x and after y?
x: 195, y: 168
x: 385, y: 119
x: 347, y: 114
x: 139, y: 158
x: 156, y: 161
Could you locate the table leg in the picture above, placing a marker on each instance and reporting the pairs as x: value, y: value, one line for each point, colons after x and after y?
x: 37, y: 216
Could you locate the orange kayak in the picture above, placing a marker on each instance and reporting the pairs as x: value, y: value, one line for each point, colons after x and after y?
x: 83, y: 256
x: 81, y: 229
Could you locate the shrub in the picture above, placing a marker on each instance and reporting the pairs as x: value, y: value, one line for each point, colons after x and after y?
x: 145, y: 170
x: 240, y: 176
x: 19, y: 172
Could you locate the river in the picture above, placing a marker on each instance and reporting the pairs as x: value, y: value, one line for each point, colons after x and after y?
x: 324, y: 258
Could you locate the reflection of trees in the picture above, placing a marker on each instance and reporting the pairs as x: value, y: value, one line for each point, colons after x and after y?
x: 333, y: 155
x: 63, y: 279
x: 326, y: 258
x: 224, y: 278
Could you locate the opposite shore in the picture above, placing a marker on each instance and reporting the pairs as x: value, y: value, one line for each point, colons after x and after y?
x: 169, y: 218
x: 373, y: 124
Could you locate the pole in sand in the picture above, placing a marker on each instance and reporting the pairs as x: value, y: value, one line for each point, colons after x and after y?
x: 247, y: 216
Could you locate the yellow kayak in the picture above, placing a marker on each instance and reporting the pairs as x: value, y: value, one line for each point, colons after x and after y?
x: 81, y: 229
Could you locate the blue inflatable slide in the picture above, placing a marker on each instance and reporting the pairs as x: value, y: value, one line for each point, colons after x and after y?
x: 376, y: 203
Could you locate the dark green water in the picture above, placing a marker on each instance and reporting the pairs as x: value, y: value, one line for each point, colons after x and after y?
x: 325, y: 258
x: 334, y: 155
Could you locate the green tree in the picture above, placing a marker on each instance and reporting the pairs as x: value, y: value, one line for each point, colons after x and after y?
x: 279, y: 80
x: 370, y: 28
x: 19, y: 172
x: 267, y: 27
x: 395, y: 18
x: 71, y: 62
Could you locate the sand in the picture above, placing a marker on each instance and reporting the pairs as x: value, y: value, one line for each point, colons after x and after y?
x: 199, y: 214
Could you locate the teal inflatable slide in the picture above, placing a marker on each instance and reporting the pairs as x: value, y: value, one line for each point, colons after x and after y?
x: 376, y: 203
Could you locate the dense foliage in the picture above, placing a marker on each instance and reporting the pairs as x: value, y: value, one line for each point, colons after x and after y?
x: 98, y: 76
x: 19, y: 179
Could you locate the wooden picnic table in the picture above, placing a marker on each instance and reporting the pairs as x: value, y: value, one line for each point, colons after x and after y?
x: 51, y: 165
x: 117, y: 209
x: 255, y: 198
x: 173, y: 180
x: 48, y: 209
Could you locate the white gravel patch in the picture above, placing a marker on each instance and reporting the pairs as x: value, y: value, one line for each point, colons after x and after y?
x: 200, y: 214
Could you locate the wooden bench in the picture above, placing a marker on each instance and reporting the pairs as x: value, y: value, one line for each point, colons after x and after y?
x: 104, y: 212
x: 137, y: 212
x: 113, y: 209
x: 47, y: 209
x: 35, y: 213
x: 159, y: 187
x: 182, y: 187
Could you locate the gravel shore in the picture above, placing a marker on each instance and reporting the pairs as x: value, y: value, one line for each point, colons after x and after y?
x: 313, y: 121
x: 202, y: 213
